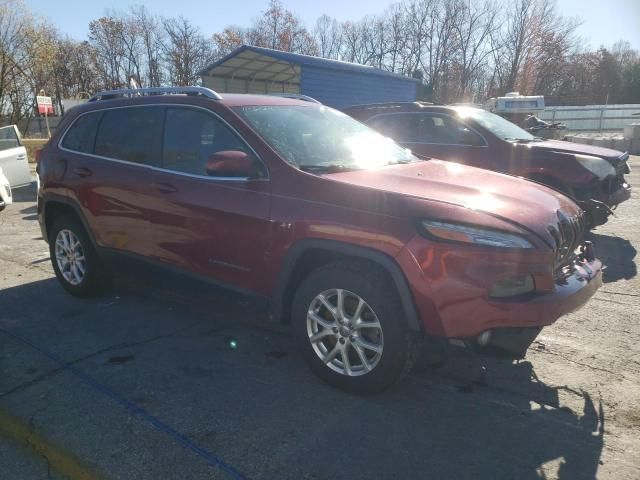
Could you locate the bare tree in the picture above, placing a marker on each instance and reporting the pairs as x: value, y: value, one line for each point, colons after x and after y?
x: 279, y: 29
x: 186, y: 51
x: 328, y: 37
x: 228, y: 40
x: 473, y: 27
x: 105, y: 36
x: 397, y: 39
x: 151, y: 37
x: 16, y: 28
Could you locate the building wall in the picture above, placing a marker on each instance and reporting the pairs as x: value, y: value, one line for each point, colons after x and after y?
x: 238, y: 85
x: 342, y: 89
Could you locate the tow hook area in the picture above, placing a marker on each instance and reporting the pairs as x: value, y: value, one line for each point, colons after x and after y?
x: 505, y: 341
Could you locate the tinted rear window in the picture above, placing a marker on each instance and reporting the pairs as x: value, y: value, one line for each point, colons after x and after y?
x: 131, y: 134
x: 81, y: 135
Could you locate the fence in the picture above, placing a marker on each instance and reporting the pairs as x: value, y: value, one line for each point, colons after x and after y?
x: 593, y: 118
x: 34, y: 127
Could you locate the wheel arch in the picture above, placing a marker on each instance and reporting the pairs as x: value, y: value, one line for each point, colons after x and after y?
x: 307, y: 255
x: 54, y: 206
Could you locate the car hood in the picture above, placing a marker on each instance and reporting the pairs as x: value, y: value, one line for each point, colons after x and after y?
x: 514, y: 200
x: 612, y: 156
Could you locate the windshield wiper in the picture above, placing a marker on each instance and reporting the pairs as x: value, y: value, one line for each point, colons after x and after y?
x: 524, y: 140
x: 519, y: 140
x: 326, y: 168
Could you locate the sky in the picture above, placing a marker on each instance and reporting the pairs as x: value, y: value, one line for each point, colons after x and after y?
x: 604, y: 21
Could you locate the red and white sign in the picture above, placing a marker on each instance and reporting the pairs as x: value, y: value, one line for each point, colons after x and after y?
x: 45, y: 105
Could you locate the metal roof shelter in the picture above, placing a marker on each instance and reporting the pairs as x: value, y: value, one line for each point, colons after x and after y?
x: 250, y: 69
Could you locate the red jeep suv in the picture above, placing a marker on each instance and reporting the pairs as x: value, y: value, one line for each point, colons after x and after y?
x: 362, y: 247
x: 592, y: 176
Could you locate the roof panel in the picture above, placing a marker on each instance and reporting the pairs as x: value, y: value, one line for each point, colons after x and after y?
x: 303, y: 60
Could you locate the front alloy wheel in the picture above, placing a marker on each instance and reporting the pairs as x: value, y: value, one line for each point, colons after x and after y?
x: 344, y: 332
x: 350, y: 326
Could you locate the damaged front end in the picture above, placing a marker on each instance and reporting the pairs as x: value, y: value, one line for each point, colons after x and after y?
x: 575, y: 266
x: 601, y: 198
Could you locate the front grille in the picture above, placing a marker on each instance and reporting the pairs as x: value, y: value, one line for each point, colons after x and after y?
x: 568, y: 234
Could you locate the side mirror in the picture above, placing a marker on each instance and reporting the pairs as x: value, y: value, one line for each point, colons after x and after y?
x: 232, y: 163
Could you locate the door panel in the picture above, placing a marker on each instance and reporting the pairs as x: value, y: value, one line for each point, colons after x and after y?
x: 109, y: 158
x: 13, y: 157
x: 214, y: 226
x: 116, y: 198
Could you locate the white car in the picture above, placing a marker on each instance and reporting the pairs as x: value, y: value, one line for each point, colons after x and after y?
x: 5, y: 191
x: 13, y: 157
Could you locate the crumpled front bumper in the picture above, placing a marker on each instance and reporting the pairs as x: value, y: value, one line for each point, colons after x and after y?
x: 598, y: 209
x: 569, y: 295
x: 451, y: 288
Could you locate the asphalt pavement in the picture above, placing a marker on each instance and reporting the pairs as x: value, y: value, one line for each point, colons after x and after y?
x: 165, y: 378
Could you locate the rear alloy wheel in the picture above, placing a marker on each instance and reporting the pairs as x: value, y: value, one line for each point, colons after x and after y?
x: 351, y: 328
x: 70, y: 257
x: 74, y: 258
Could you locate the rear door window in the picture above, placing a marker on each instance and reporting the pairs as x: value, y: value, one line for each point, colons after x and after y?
x: 426, y: 128
x: 131, y: 134
x: 400, y: 127
x: 192, y: 136
x: 82, y: 134
x: 446, y: 130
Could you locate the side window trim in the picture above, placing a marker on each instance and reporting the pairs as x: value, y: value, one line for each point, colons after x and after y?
x: 237, y: 134
x: 153, y: 167
x: 100, y: 114
x: 95, y: 134
x: 484, y: 140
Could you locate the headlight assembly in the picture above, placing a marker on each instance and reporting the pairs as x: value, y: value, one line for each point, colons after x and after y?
x: 474, y: 235
x: 596, y: 165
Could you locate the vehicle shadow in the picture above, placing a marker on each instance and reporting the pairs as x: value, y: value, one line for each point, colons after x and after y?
x: 475, y: 417
x: 534, y: 430
x: 617, y: 254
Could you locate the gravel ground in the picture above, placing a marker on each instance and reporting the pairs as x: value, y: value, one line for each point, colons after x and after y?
x: 142, y: 383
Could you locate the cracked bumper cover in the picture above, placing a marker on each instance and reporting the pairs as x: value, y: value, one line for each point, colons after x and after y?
x: 460, y: 307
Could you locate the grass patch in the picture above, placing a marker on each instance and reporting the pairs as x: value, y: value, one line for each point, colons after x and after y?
x: 33, y: 144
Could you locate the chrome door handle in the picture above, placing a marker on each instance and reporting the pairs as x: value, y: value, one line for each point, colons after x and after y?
x: 82, y: 172
x: 164, y: 187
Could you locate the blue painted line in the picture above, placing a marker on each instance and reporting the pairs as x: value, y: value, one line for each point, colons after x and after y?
x: 132, y: 407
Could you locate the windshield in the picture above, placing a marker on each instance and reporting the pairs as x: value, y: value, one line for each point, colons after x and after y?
x: 495, y: 124
x: 319, y: 137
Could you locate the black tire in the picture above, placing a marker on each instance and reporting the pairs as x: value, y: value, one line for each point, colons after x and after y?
x: 96, y: 277
x: 401, y: 346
